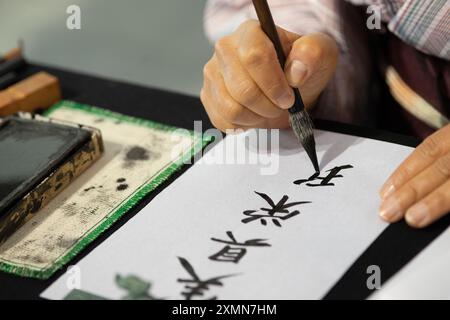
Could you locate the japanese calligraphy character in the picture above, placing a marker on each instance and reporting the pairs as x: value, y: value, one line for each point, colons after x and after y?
x: 234, y: 251
x: 195, y: 286
x: 277, y: 212
x: 324, y: 181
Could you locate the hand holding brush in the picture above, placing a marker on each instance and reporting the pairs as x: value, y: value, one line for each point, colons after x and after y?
x: 245, y: 86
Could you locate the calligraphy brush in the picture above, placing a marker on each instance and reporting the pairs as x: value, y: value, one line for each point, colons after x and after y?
x: 299, y: 118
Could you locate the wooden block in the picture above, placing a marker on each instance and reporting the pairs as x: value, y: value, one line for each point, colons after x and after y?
x: 39, y: 91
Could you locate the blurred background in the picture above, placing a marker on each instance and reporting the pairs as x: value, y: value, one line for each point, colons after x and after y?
x: 157, y: 43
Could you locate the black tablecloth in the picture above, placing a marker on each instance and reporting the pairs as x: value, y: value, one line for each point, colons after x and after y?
x: 390, y: 251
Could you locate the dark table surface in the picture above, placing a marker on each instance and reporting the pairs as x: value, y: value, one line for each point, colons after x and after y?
x: 397, y: 245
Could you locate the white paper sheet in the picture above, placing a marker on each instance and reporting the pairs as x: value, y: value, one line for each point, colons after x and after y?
x: 307, y: 254
x: 425, y: 277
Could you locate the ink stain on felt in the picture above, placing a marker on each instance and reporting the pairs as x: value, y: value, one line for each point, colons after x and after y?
x: 64, y: 243
x: 122, y: 185
x: 136, y: 154
x: 92, y: 188
x: 70, y: 209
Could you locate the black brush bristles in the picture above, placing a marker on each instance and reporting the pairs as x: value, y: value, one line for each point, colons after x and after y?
x: 303, y: 128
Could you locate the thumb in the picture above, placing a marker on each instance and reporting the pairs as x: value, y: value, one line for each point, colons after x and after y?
x: 311, y: 64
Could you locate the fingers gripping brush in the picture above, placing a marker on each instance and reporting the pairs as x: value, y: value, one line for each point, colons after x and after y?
x: 299, y: 118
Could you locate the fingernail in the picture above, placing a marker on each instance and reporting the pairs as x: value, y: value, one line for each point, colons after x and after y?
x: 390, y: 209
x: 387, y: 190
x: 285, y: 101
x: 297, y: 72
x: 417, y: 215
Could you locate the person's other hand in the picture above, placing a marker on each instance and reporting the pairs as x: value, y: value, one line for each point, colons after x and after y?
x: 419, y: 189
x: 245, y: 87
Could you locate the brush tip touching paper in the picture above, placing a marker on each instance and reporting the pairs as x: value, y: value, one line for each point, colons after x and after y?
x: 302, y: 126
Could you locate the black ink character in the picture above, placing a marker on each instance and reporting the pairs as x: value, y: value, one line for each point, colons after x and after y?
x: 325, y: 181
x: 234, y: 251
x: 276, y: 212
x: 195, y: 286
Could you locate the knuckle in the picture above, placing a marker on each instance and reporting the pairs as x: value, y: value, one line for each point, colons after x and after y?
x: 233, y: 112
x: 223, y: 126
x: 247, y: 93
x: 439, y: 200
x: 215, y: 123
x: 250, y: 24
x: 257, y: 56
x: 402, y: 175
x: 203, y: 96
x: 208, y: 110
x: 252, y: 58
x: 412, y: 191
x: 430, y: 147
x: 207, y: 71
x: 443, y: 165
x: 275, y: 89
x: 220, y: 45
